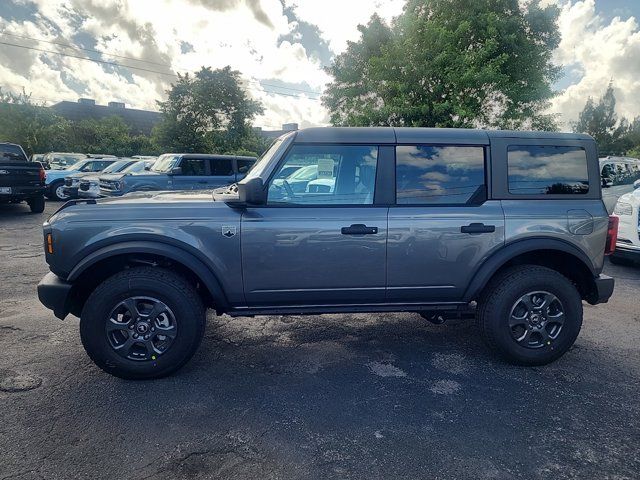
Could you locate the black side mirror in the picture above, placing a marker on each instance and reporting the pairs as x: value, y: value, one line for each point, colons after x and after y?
x: 176, y: 171
x: 252, y: 192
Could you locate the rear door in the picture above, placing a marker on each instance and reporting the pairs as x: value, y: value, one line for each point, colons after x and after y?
x: 442, y: 226
x: 221, y: 172
x: 325, y: 243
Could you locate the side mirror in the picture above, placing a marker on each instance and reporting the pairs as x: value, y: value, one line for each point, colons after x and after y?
x: 176, y: 171
x: 252, y: 192
x: 636, y: 184
x: 147, y: 167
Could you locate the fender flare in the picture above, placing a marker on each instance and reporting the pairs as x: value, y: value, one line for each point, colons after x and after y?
x: 172, y: 252
x: 492, y: 264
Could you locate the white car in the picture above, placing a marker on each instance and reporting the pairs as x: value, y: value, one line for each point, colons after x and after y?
x: 628, y: 244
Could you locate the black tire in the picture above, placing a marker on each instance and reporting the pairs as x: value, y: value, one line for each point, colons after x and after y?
x: 36, y: 204
x: 55, y: 191
x: 148, y: 282
x: 499, y: 300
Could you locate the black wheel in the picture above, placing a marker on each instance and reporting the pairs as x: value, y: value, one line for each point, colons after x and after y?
x: 56, y: 191
x: 531, y: 315
x: 142, y: 323
x: 36, y: 204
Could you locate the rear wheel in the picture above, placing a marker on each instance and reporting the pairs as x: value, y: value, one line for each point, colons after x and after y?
x: 531, y: 315
x: 36, y: 204
x: 142, y: 323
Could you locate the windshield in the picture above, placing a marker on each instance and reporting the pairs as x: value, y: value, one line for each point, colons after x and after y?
x: 310, y: 172
x: 266, y: 157
x: 165, y: 163
x: 76, y: 165
x: 135, y: 167
x: 65, y: 159
x: 117, y: 166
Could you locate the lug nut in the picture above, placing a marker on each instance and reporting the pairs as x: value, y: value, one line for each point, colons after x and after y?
x: 130, y: 327
x: 146, y: 337
x: 135, y: 335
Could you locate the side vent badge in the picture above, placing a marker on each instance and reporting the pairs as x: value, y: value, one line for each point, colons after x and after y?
x: 228, y: 231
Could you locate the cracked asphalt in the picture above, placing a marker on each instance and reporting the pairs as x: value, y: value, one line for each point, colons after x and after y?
x: 331, y: 396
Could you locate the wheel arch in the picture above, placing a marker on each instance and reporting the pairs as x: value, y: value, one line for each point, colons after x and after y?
x: 109, y: 259
x: 558, y: 255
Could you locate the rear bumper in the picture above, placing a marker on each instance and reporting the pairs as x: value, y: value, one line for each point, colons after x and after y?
x: 604, y: 289
x: 627, y: 252
x: 55, y: 294
x: 24, y: 192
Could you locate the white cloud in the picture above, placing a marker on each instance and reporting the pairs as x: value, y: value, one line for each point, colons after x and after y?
x: 597, y: 52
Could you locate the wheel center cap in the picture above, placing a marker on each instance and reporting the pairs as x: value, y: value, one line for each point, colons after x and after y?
x: 142, y: 327
x: 535, y: 318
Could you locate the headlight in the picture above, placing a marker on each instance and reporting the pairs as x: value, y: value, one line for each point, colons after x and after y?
x: 623, y: 208
x: 119, y: 185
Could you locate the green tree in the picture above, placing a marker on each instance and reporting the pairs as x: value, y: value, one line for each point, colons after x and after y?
x: 207, y: 112
x: 449, y: 63
x: 601, y: 122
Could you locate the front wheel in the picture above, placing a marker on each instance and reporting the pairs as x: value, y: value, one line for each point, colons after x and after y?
x: 531, y: 315
x: 142, y: 323
x: 56, y: 191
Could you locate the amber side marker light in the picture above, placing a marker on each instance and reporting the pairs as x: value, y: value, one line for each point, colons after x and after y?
x: 49, y: 243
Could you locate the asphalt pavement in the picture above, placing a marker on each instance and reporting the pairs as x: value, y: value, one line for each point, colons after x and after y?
x: 333, y: 396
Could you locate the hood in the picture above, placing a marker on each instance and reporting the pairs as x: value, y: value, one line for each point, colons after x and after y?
x: 632, y: 197
x: 155, y: 198
x: 80, y: 175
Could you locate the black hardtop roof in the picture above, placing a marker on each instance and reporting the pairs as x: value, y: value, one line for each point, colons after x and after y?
x: 382, y: 135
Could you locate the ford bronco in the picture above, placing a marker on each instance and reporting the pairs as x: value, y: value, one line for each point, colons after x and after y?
x: 508, y: 227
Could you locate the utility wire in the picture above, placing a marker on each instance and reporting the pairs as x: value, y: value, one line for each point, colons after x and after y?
x: 67, y: 45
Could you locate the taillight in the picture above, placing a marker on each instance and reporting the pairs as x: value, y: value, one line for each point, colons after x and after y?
x: 42, y: 174
x: 612, y: 235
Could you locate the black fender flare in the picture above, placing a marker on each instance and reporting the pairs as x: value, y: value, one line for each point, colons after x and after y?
x: 492, y: 264
x: 172, y: 252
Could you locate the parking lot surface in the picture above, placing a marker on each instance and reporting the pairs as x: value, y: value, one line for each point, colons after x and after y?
x: 332, y: 396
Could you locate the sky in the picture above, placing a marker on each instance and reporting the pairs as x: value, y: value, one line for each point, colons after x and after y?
x: 280, y: 46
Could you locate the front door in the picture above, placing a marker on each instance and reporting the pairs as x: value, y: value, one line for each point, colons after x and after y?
x: 442, y: 226
x: 193, y: 176
x: 322, y: 242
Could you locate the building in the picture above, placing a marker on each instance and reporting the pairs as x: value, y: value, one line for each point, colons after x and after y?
x: 287, y: 127
x: 140, y: 121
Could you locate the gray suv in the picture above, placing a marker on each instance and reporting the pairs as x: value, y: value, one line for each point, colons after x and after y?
x: 173, y: 171
x: 508, y: 227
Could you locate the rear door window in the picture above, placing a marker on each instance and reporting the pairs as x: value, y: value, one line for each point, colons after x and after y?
x: 439, y: 174
x: 547, y: 170
x: 221, y: 167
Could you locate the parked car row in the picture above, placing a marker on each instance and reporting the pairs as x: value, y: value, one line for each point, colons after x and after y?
x: 619, y: 171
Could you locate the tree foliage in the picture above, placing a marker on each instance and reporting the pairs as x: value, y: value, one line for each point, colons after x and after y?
x: 449, y: 63
x: 207, y: 112
x: 614, y: 136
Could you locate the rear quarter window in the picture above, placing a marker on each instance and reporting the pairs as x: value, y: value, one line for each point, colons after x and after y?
x: 12, y: 152
x: 547, y: 170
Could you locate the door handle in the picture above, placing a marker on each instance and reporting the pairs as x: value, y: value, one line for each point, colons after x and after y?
x: 359, y: 229
x: 478, y: 228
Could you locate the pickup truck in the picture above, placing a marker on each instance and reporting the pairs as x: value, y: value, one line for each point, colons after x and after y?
x: 20, y: 180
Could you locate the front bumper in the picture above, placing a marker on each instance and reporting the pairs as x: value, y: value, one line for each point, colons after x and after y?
x: 55, y: 294
x: 71, y: 192
x: 604, y: 289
